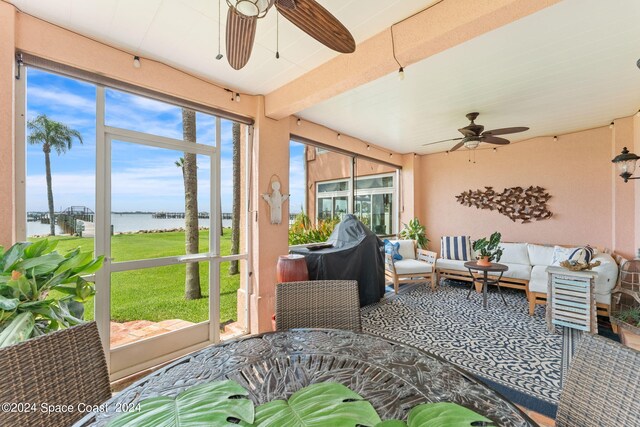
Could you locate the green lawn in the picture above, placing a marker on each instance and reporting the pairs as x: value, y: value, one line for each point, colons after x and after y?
x: 157, y: 294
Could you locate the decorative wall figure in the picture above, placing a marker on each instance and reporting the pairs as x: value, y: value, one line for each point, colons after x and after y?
x: 275, y: 200
x: 516, y: 203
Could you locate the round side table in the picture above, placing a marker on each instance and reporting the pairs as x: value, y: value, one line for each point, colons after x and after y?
x: 484, y: 280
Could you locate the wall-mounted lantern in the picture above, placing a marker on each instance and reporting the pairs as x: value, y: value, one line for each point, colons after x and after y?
x: 626, y: 164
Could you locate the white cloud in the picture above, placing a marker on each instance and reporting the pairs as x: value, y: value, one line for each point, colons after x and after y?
x: 52, y: 96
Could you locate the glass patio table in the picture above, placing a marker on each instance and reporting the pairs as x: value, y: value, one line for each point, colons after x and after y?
x: 393, y: 377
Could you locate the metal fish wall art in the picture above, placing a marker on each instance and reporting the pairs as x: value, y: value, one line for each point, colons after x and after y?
x: 516, y: 203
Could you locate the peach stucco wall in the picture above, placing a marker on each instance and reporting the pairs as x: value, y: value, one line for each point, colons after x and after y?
x: 576, y: 170
x: 7, y: 103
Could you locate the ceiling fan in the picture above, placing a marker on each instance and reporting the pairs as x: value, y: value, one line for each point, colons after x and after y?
x: 307, y: 15
x: 473, y: 135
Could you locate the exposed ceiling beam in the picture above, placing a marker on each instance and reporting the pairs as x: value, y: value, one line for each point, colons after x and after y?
x: 438, y: 28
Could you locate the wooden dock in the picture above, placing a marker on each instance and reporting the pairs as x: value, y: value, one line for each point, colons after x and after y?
x: 177, y: 215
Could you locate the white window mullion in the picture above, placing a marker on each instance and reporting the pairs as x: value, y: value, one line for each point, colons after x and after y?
x: 248, y: 274
x: 158, y: 141
x: 102, y: 241
x: 214, y: 240
x: 20, y: 161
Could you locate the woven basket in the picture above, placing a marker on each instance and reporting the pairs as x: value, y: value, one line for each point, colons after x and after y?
x: 579, y: 266
x: 629, y: 334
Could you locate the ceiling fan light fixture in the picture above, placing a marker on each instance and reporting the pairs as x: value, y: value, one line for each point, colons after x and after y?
x: 472, y: 143
x: 251, y: 8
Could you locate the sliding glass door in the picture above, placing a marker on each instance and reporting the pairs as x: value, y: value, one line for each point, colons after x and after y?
x: 164, y: 197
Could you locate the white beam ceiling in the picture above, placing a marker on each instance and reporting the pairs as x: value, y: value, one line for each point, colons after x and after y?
x: 569, y: 67
x: 184, y: 34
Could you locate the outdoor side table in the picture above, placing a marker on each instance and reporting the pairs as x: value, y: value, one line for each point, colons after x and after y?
x: 571, y: 299
x: 484, y: 279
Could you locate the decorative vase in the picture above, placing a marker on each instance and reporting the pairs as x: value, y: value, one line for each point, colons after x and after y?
x: 292, y: 268
x: 484, y: 261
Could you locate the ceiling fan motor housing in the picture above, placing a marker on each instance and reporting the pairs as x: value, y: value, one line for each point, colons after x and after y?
x: 251, y: 8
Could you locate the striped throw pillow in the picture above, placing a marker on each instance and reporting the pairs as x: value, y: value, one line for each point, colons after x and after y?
x: 456, y: 248
x: 582, y: 255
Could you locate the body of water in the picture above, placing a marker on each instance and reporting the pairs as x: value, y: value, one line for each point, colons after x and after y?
x: 129, y: 222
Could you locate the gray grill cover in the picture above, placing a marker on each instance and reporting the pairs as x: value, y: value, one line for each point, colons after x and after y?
x: 355, y: 255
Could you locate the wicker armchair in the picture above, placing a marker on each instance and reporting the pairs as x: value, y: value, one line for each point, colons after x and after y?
x: 318, y: 304
x: 603, y: 386
x: 66, y: 367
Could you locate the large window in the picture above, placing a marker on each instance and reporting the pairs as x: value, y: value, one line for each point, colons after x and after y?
x: 321, y: 181
x: 373, y: 203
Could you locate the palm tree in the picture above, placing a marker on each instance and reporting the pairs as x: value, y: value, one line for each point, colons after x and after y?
x: 235, y: 219
x: 192, y: 233
x: 52, y: 135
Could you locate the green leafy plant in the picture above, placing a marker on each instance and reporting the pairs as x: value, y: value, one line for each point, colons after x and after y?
x: 489, y: 247
x: 220, y: 403
x: 329, y: 403
x: 415, y: 231
x: 630, y: 316
x: 225, y: 403
x: 443, y: 414
x: 29, y: 272
x: 302, y: 231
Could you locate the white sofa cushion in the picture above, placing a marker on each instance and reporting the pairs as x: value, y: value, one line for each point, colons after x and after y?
x: 450, y: 264
x: 539, y: 279
x: 516, y: 271
x: 514, y: 253
x: 540, y: 254
x: 412, y: 266
x: 406, y: 248
x: 605, y: 282
x: 561, y: 254
x: 607, y: 273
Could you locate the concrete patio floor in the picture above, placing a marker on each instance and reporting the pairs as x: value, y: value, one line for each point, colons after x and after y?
x: 136, y: 330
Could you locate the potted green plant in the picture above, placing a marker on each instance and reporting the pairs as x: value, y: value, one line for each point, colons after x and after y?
x: 415, y: 231
x: 488, y: 250
x: 628, y: 323
x: 41, y: 290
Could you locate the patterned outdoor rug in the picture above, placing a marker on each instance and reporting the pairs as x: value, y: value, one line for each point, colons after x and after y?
x: 503, y: 346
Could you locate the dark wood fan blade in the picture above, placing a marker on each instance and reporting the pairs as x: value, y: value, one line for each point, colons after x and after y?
x: 494, y: 140
x: 467, y: 132
x: 458, y: 145
x: 444, y: 140
x: 241, y: 32
x: 505, y: 131
x: 286, y: 4
x: 316, y: 21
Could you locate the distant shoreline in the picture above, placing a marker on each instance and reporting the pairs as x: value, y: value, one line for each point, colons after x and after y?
x: 165, y: 230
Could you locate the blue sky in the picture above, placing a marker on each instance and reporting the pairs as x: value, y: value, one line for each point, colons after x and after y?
x: 143, y: 178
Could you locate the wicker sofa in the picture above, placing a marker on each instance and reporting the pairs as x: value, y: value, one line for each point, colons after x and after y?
x: 527, y: 271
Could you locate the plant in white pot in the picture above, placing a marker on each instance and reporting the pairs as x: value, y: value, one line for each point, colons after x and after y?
x: 488, y: 250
